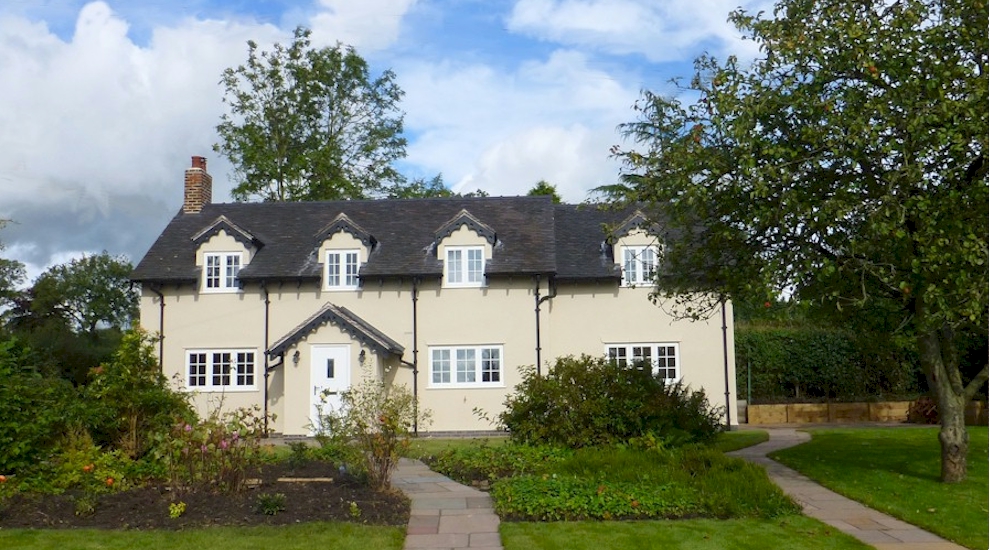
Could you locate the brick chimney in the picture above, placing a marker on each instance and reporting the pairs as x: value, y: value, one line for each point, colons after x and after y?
x: 198, y: 187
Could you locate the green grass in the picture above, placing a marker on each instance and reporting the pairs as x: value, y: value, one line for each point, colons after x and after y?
x: 429, y: 446
x: 896, y: 471
x: 331, y: 536
x: 791, y: 532
x: 740, y: 439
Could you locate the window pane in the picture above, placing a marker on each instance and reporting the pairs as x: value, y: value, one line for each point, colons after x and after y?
x: 491, y: 365
x: 629, y: 261
x: 245, y: 369
x: 197, y: 369
x: 441, y: 366
x: 352, y: 269
x: 233, y: 267
x: 454, y: 274
x: 649, y: 264
x: 221, y: 369
x: 466, y: 365
x: 333, y: 269
x: 475, y: 267
x: 213, y: 272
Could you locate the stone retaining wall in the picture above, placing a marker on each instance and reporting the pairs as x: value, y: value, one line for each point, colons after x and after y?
x: 814, y: 413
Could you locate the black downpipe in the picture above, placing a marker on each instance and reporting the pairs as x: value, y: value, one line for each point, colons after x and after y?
x: 161, y: 327
x: 415, y: 361
x: 725, y: 356
x: 264, y: 288
x: 552, y: 290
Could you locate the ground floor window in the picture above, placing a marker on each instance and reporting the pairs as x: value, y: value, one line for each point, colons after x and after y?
x: 664, y: 358
x: 455, y: 366
x: 220, y: 369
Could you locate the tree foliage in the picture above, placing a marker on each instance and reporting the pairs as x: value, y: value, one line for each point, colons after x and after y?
x: 543, y: 187
x: 847, y: 163
x: 307, y: 123
x: 87, y: 293
x: 12, y: 274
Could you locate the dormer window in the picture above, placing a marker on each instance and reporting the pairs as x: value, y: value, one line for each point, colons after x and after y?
x: 639, y: 265
x: 465, y: 266
x: 342, y: 269
x: 221, y: 271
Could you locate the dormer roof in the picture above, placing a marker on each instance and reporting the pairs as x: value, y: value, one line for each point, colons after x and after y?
x: 344, y: 319
x: 464, y: 218
x: 343, y: 223
x: 223, y: 223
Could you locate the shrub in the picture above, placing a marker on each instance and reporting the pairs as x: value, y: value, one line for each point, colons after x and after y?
x: 131, y: 399
x: 588, y: 402
x: 377, y: 420
x: 214, y: 454
x: 490, y: 463
x: 34, y: 409
x: 271, y: 504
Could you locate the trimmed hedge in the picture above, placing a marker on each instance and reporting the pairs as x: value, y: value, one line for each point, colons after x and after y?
x: 812, y: 363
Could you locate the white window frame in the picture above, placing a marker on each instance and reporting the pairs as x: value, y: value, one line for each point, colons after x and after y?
x: 464, y: 272
x: 664, y: 356
x: 345, y: 278
x: 467, y: 366
x: 228, y: 266
x: 241, y: 373
x: 636, y: 270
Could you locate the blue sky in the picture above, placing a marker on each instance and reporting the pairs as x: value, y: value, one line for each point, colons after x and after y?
x: 103, y: 103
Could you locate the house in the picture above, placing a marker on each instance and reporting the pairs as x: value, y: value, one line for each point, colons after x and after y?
x: 274, y: 304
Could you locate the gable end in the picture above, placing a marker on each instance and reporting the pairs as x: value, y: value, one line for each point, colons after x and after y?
x: 343, y: 223
x: 474, y: 224
x: 223, y: 223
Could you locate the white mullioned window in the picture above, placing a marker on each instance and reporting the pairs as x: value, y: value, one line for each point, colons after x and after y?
x: 639, y: 265
x: 464, y: 266
x: 215, y: 370
x: 342, y: 269
x: 220, y: 271
x: 664, y: 358
x: 459, y: 366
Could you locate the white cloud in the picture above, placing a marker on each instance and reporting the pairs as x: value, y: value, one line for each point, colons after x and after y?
x: 672, y: 30
x: 367, y: 25
x: 503, y: 131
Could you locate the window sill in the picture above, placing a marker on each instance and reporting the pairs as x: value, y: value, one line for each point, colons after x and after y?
x: 341, y: 288
x: 222, y: 291
x: 468, y: 386
x: 215, y: 389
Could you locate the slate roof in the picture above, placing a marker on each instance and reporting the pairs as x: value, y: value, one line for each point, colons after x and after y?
x: 531, y: 235
x: 343, y: 318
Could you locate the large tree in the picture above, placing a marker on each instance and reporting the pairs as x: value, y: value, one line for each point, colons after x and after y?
x: 847, y: 162
x: 12, y: 274
x: 89, y: 293
x: 307, y: 123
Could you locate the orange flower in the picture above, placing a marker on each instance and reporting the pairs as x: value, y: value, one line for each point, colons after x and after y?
x: 3, y: 479
x: 109, y: 482
x: 88, y: 468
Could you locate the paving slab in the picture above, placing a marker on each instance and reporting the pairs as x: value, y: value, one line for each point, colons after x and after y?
x: 445, y: 515
x: 866, y: 524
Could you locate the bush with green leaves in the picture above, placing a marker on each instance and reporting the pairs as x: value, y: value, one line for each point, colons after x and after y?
x: 376, y: 420
x: 214, y: 454
x: 494, y: 462
x: 130, y: 399
x: 585, y: 401
x: 34, y: 410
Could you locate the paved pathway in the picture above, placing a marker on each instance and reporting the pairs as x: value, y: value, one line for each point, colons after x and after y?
x: 445, y: 514
x: 879, y: 530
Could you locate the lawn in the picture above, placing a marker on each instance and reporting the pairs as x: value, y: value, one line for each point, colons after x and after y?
x: 896, y: 471
x: 332, y: 536
x: 790, y: 532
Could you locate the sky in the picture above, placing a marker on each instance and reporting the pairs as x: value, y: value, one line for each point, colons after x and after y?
x: 103, y: 103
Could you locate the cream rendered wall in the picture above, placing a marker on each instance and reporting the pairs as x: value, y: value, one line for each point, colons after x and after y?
x: 582, y: 318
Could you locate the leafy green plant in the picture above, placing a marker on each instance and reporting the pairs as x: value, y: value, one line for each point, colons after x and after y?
x: 354, y: 510
x: 214, y: 454
x: 176, y: 509
x: 85, y: 505
x: 298, y: 453
x: 131, y: 400
x: 376, y: 421
x: 587, y: 401
x: 493, y: 462
x: 271, y: 504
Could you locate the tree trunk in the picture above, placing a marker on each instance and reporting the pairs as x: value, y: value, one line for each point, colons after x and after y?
x: 954, y: 438
x: 951, y: 404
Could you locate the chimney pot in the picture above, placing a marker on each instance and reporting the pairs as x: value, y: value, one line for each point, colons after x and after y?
x: 198, y: 187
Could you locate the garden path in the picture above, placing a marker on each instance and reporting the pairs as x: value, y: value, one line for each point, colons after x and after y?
x: 445, y: 514
x: 874, y: 528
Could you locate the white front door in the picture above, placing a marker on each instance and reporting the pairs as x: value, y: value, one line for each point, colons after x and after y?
x: 330, y: 375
